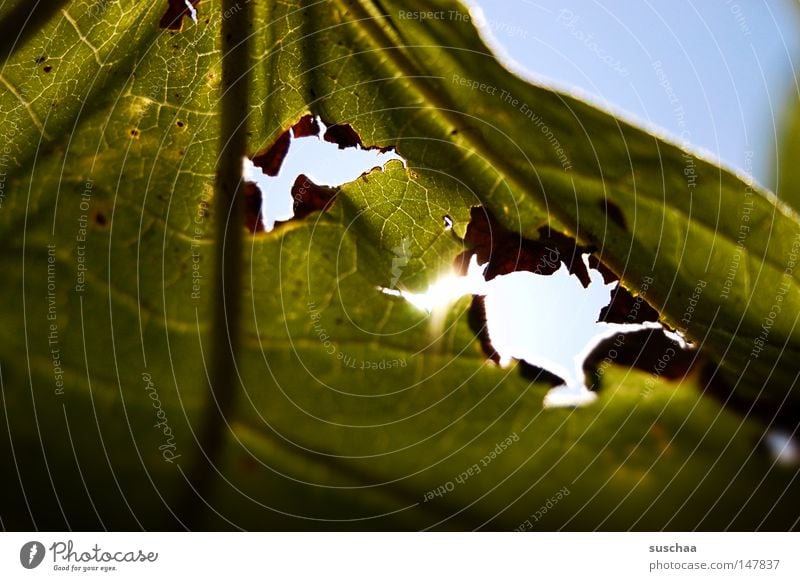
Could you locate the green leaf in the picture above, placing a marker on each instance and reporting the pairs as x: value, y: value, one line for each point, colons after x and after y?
x: 788, y: 183
x: 350, y: 408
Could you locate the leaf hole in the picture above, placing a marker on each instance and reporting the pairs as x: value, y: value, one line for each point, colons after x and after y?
x: 546, y: 303
x: 300, y: 173
x: 176, y: 11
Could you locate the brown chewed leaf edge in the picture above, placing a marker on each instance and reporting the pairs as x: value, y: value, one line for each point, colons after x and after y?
x: 649, y: 350
x: 625, y: 308
x: 253, y: 201
x: 503, y: 252
x: 539, y: 375
x: 176, y: 11
x: 343, y: 135
x: 476, y: 317
x: 309, y: 197
x: 306, y: 127
x: 270, y: 159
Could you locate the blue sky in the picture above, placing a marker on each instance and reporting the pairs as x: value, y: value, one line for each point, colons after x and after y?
x: 730, y: 64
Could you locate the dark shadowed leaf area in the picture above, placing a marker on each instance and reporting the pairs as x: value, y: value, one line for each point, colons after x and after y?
x: 165, y: 363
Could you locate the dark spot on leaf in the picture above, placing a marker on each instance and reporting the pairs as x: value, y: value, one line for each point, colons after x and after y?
x: 47, y: 68
x: 476, y: 317
x: 99, y: 218
x: 649, y: 350
x: 306, y: 127
x: 134, y: 133
x: 625, y: 308
x: 505, y: 252
x: 613, y: 212
x: 176, y: 10
x: 270, y: 159
x: 342, y: 135
x: 179, y: 124
x: 252, y: 208
x: 309, y: 197
x: 41, y: 59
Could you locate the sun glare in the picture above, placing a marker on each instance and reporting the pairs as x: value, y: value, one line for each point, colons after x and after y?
x: 446, y: 290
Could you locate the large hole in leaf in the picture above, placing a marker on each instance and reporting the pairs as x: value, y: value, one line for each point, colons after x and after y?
x: 300, y: 172
x: 550, y: 303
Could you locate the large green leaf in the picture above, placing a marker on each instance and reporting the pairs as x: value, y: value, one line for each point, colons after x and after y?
x: 345, y: 407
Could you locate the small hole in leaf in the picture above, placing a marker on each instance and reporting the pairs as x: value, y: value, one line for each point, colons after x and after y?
x: 300, y: 173
x: 448, y: 222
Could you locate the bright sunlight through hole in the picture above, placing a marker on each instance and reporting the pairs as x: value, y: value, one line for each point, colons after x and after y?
x: 548, y: 321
